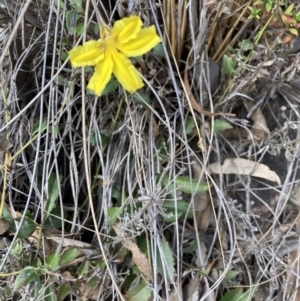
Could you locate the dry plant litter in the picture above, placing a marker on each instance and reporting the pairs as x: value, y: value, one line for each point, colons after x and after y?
x: 187, y: 189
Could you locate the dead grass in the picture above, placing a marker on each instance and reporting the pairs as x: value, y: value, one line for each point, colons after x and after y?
x: 114, y: 183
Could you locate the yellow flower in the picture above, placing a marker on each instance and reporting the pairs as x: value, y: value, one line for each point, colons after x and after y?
x: 110, y: 53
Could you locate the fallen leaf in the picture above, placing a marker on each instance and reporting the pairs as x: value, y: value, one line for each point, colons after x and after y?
x: 260, y: 128
x: 175, y: 295
x: 203, y: 218
x: 5, y: 145
x: 192, y: 289
x: 4, y: 225
x: 241, y: 166
x: 138, y: 257
x: 89, y: 292
x: 36, y: 238
x: 67, y: 242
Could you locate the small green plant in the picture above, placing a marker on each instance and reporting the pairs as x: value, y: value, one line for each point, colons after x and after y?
x: 286, y: 21
x: 255, y: 13
x: 268, y: 5
x: 291, y: 20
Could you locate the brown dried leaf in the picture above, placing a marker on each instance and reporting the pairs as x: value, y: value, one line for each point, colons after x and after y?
x: 193, y: 288
x: 67, y: 242
x: 35, y: 238
x: 244, y: 167
x: 4, y: 225
x: 89, y: 292
x: 203, y: 218
x: 138, y: 257
x: 260, y: 128
x: 5, y: 145
x: 175, y: 295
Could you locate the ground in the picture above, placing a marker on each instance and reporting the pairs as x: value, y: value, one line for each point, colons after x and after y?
x: 187, y: 189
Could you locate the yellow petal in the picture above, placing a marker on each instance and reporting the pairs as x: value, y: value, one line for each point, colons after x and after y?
x: 146, y: 40
x: 127, y: 28
x: 89, y: 54
x: 126, y: 73
x: 101, y: 76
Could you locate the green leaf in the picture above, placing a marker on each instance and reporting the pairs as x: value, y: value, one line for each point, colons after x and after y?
x: 53, y: 193
x: 189, y: 125
x: 61, y: 4
x: 50, y: 294
x: 193, y: 247
x: 68, y: 255
x: 142, y: 98
x: 71, y: 19
x: 297, y: 17
x: 9, y: 219
x: 138, y: 58
x: 129, y: 280
x: 233, y: 295
x: 184, y: 184
x: 8, y: 222
x: 52, y: 260
x: 61, y: 81
x: 95, y: 139
x: 87, y: 69
x: 293, y: 31
x: 159, y: 51
x: 36, y: 126
x: 162, y: 151
x: 231, y: 274
x: 141, y: 292
x: 182, y: 209
x: 111, y: 86
x: 113, y: 214
x: 95, y: 28
x: 63, y: 55
x: 77, y: 4
x: 79, y: 29
x: 116, y: 193
x: 165, y: 260
x: 246, y: 45
x: 27, y: 275
x: 63, y: 292
x: 84, y: 268
x: 92, y: 282
x: 101, y: 264
x: 245, y: 296
x: 54, y: 130
x: 228, y: 65
x: 54, y: 220
x: 16, y: 249
x: 27, y: 228
x: 143, y: 244
x: 38, y: 290
x: 268, y: 7
x: 252, y: 9
x: 289, y: 10
x: 221, y: 125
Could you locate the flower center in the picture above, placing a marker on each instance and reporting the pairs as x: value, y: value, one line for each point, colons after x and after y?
x: 105, y: 33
